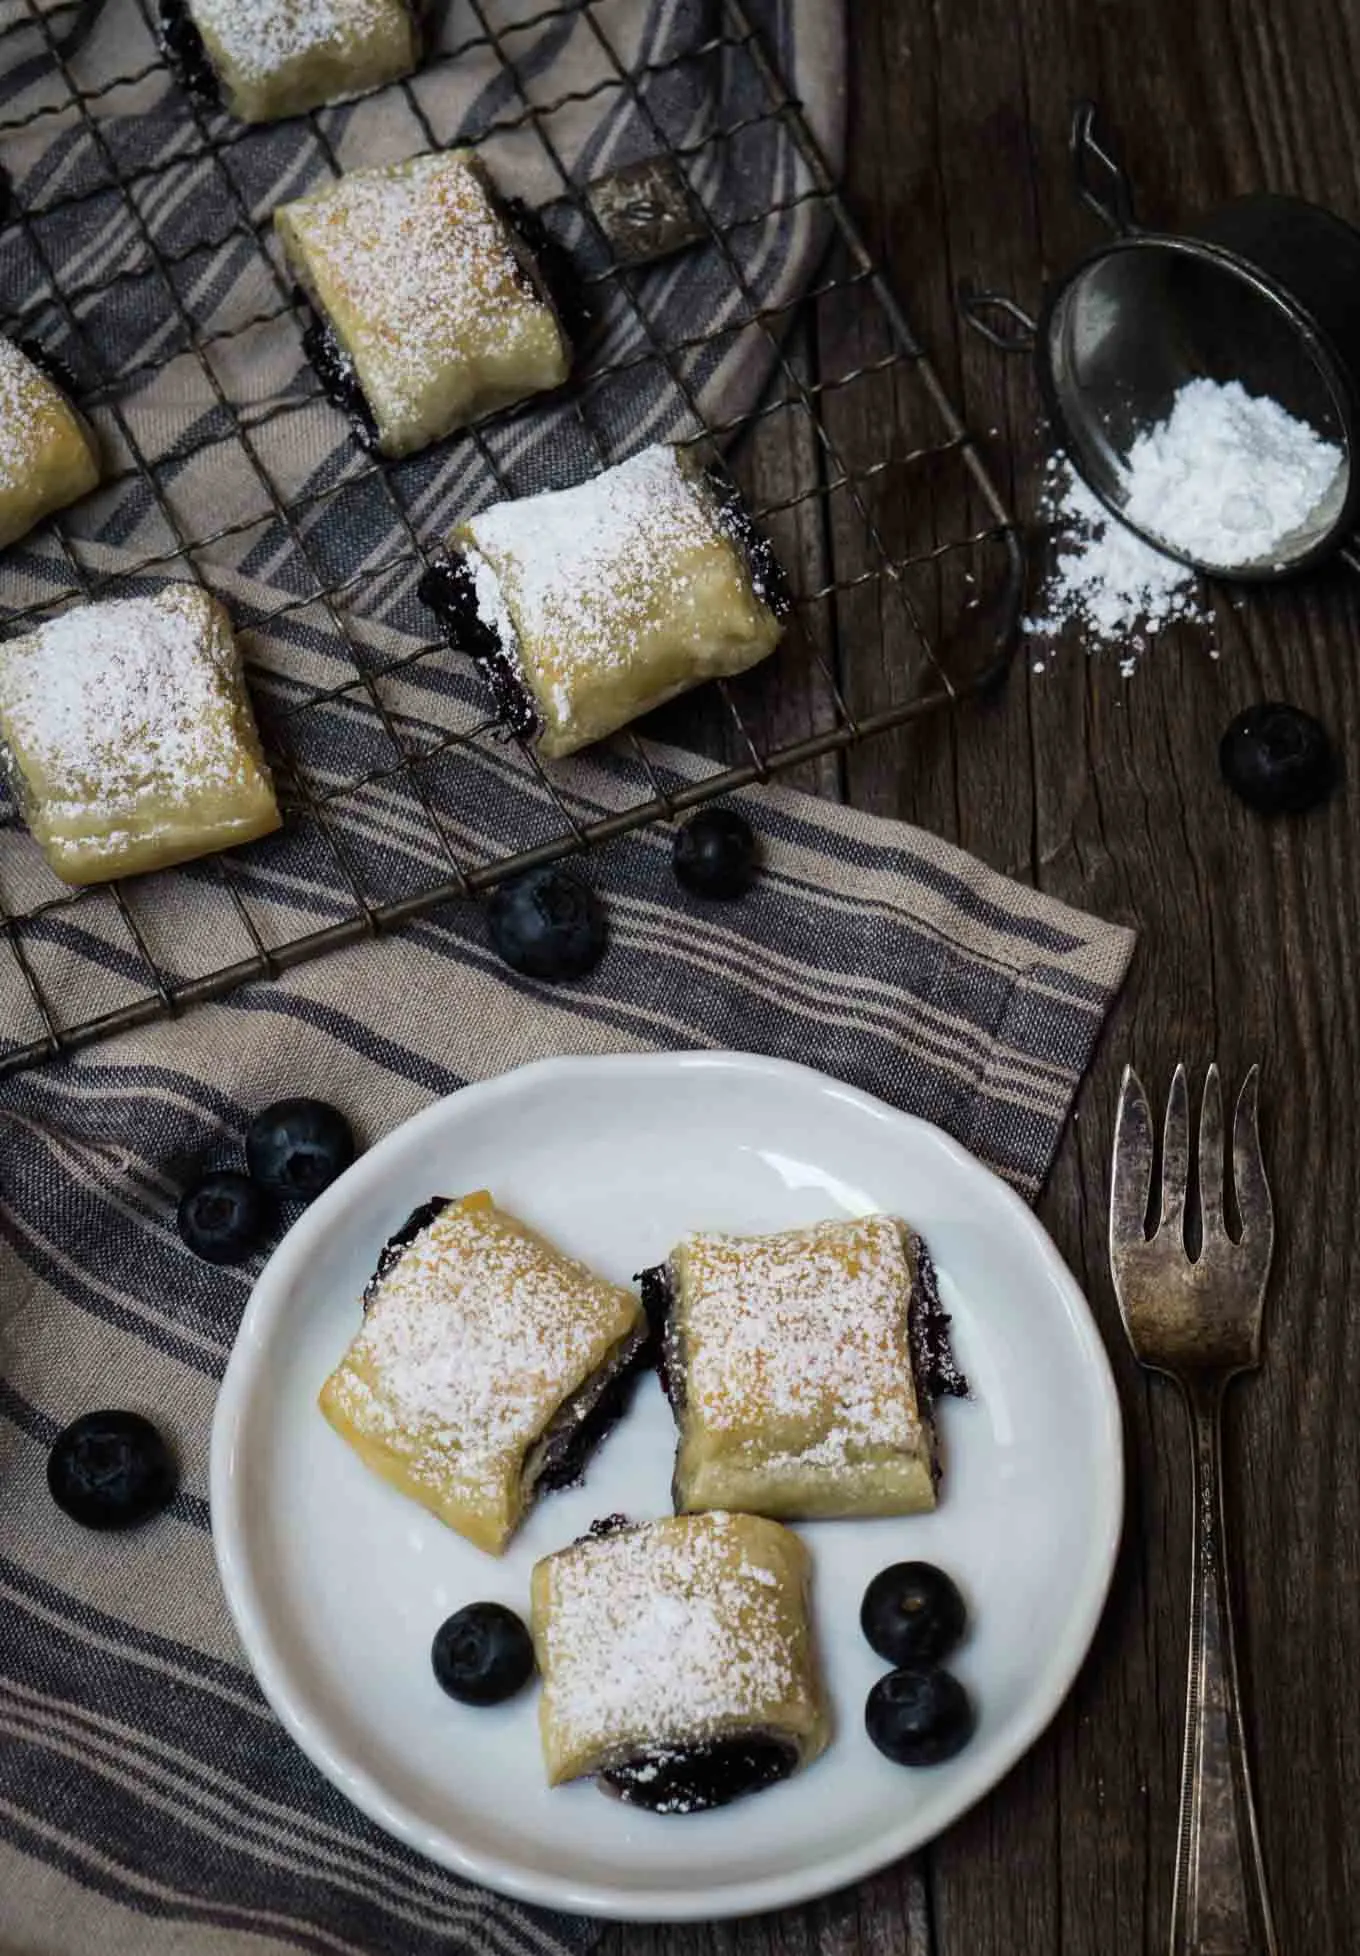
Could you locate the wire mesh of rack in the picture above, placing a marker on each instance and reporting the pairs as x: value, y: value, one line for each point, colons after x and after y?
x: 400, y: 793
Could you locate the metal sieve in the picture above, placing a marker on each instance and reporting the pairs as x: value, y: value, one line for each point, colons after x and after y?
x: 1264, y: 290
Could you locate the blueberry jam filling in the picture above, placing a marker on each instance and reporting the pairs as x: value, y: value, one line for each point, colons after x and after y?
x: 582, y: 1422
x: 339, y: 381
x: 451, y: 594
x: 932, y: 1356
x: 658, y: 1301
x: 49, y: 366
x: 390, y: 1256
x: 606, y: 1525
x: 548, y: 270
x: 763, y: 566
x: 182, y: 46
x: 692, y: 1779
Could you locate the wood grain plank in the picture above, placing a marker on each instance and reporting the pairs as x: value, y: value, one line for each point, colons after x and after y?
x: 1106, y: 794
x: 888, y: 1916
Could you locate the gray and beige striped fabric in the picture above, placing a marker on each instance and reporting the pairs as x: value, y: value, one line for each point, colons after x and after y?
x: 148, y: 1801
x: 150, y: 1805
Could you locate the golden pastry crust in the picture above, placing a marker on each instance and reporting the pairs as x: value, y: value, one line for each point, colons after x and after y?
x: 279, y: 58
x: 673, y: 1634
x: 48, y: 457
x: 476, y: 1337
x: 429, y: 293
x: 797, y: 1395
x: 130, y: 736
x: 617, y: 595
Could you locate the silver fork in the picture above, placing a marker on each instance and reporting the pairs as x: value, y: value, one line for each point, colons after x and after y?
x: 1200, y: 1323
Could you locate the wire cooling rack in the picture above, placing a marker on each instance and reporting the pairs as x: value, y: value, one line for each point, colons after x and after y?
x: 419, y: 799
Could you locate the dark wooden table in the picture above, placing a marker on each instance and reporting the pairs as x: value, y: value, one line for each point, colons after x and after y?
x: 1107, y: 794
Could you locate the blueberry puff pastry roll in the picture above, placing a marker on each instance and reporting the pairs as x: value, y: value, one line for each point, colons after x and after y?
x: 487, y: 1367
x: 273, y: 58
x: 47, y: 454
x: 677, y: 1661
x: 592, y: 605
x: 434, y: 304
x: 800, y: 1368
x: 130, y: 738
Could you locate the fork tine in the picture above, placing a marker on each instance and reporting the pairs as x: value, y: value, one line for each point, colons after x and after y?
x: 1175, y: 1154
x: 1211, y: 1156
x: 1249, y: 1172
x: 1131, y: 1176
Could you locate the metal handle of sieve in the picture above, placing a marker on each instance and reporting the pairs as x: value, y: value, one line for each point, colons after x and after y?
x: 1100, y: 178
x: 976, y: 306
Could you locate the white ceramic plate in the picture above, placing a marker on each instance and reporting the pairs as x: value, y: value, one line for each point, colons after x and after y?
x: 337, y: 1583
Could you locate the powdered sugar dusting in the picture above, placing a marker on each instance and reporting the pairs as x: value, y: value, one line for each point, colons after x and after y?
x: 673, y: 1633
x: 587, y: 571
x: 428, y: 272
x: 110, y: 703
x: 260, y: 36
x: 473, y: 1340
x: 802, y: 1334
x: 25, y: 400
x: 491, y: 606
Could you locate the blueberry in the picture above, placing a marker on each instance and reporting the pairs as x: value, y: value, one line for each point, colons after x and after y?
x: 912, y: 1613
x: 715, y: 854
x: 547, y: 924
x: 110, y: 1470
x: 1279, y: 759
x: 224, y: 1218
x: 299, y: 1147
x: 482, y: 1654
x: 919, y: 1715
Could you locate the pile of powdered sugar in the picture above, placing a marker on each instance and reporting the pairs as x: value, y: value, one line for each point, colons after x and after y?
x: 1226, y: 478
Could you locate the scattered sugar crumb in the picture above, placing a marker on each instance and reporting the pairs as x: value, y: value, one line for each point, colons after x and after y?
x: 1117, y: 590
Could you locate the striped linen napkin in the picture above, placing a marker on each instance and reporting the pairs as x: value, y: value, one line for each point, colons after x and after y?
x: 149, y: 1801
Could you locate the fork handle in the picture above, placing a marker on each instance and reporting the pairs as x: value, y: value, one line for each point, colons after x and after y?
x: 1220, y: 1906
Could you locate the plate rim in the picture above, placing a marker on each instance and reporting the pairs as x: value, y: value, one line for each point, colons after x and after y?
x: 512, y: 1878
